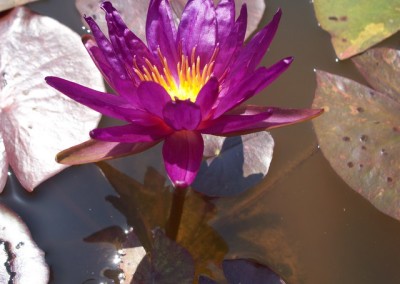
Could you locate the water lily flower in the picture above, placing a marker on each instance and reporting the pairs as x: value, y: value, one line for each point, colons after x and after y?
x: 188, y: 80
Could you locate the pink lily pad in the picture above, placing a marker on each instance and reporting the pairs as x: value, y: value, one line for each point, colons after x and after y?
x: 21, y: 261
x: 359, y: 134
x: 8, y: 4
x: 234, y: 164
x: 134, y: 12
x: 36, y: 121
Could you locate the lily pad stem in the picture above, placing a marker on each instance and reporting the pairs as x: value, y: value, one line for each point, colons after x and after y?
x: 175, y: 216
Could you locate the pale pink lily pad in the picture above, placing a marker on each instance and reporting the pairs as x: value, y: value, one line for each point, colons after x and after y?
x: 8, y: 4
x: 21, y: 260
x: 134, y: 12
x: 36, y: 122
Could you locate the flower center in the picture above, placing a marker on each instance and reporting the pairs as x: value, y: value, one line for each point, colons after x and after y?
x: 191, y: 77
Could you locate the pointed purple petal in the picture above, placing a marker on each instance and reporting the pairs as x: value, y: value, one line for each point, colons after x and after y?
x: 107, y: 49
x: 132, y: 133
x: 254, y: 51
x: 250, y: 86
x: 153, y: 97
x: 230, y: 47
x: 229, y: 124
x: 107, y: 104
x: 124, y: 87
x: 237, y: 124
x: 207, y: 97
x: 94, y: 151
x: 183, y: 152
x: 182, y: 115
x: 125, y: 43
x: 197, y: 29
x: 161, y: 32
x: 225, y: 15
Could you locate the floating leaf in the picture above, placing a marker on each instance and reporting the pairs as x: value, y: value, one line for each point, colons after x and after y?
x: 7, y: 4
x: 381, y: 68
x: 356, y: 25
x: 36, y: 122
x: 246, y: 272
x: 21, y: 261
x: 359, y: 134
x: 234, y: 164
x: 168, y: 262
x: 134, y: 12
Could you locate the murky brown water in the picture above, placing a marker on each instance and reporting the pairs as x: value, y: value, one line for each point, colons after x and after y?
x: 310, y: 225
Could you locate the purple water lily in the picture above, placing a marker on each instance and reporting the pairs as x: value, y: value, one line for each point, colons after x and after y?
x: 187, y: 81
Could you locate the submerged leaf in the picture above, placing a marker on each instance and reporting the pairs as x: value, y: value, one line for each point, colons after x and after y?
x: 356, y: 25
x: 234, y: 164
x: 359, y: 134
x: 36, y: 122
x: 134, y: 13
x: 21, y: 261
x: 168, y: 262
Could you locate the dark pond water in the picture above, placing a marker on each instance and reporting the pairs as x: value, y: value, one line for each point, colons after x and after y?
x: 310, y: 226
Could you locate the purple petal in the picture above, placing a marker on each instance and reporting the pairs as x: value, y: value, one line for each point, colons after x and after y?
x: 125, y: 43
x: 183, y: 152
x: 107, y: 104
x: 254, y: 51
x: 230, y: 47
x: 207, y: 97
x: 238, y: 124
x: 153, y: 97
x: 132, y: 133
x: 94, y: 151
x: 278, y: 117
x: 225, y: 15
x: 182, y: 115
x: 197, y: 29
x: 161, y: 32
x: 250, y: 86
x: 107, y: 49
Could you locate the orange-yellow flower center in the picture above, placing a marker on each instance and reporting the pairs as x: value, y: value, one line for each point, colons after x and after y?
x: 191, y: 76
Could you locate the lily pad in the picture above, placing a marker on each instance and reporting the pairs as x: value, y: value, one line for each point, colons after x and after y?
x: 36, y: 122
x: 356, y: 25
x: 234, y: 164
x: 7, y: 4
x: 359, y: 134
x: 21, y: 260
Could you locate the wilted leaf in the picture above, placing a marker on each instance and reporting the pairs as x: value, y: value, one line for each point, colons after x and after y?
x: 360, y: 136
x: 234, y: 164
x: 7, y: 4
x: 356, y: 25
x: 21, y: 261
x: 36, y: 122
x: 134, y: 12
x: 168, y: 262
x: 246, y: 272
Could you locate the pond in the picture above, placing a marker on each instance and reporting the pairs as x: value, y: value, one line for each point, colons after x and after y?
x: 302, y: 219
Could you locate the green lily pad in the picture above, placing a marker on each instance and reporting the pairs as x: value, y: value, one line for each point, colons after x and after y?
x: 356, y: 25
x: 359, y: 134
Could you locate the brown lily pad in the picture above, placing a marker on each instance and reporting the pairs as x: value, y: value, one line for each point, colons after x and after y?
x: 359, y: 134
x: 356, y: 25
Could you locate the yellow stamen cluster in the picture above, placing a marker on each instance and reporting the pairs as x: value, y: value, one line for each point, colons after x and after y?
x: 191, y: 77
